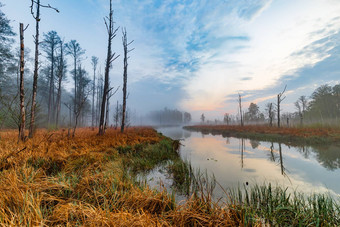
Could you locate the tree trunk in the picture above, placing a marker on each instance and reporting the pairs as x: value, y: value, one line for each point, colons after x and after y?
x: 107, y: 111
x: 35, y: 75
x: 93, y: 93
x: 22, y: 91
x: 94, y: 115
x: 240, y: 106
x: 75, y: 84
x: 60, y: 78
x: 125, y: 45
x: 109, y: 59
x: 51, y: 92
x: 278, y: 111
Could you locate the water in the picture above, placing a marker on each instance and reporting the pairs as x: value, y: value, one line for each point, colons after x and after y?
x: 235, y: 161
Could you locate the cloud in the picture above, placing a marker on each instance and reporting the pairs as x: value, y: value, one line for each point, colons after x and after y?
x: 282, y: 41
x: 203, y: 53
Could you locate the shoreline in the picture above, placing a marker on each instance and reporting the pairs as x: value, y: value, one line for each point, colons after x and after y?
x: 289, y: 136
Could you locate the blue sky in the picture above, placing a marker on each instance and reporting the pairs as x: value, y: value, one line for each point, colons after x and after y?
x: 197, y: 55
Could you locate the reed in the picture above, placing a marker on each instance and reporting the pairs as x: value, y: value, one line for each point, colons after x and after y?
x: 277, y: 206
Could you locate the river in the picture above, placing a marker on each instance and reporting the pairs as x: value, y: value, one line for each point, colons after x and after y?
x: 236, y: 162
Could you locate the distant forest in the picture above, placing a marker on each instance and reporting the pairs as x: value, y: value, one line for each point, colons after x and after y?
x: 169, y: 117
x: 321, y: 108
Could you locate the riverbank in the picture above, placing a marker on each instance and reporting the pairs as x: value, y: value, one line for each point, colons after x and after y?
x: 289, y: 136
x: 92, y: 180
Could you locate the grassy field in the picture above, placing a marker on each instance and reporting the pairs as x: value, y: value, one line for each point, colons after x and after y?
x: 90, y: 180
x: 293, y: 135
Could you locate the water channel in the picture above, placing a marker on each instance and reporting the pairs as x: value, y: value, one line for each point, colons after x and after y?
x: 236, y: 161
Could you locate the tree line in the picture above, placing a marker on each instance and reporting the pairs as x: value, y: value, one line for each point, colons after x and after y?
x: 322, y: 107
x: 39, y: 99
x: 169, y: 117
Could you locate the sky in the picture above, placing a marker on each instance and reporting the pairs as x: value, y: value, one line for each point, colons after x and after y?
x: 197, y: 55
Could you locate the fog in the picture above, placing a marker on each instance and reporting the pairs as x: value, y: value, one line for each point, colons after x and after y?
x: 178, y: 64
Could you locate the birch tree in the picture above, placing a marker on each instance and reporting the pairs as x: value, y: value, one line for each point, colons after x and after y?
x: 22, y: 90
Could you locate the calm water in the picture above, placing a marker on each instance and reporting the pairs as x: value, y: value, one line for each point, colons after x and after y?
x: 236, y: 161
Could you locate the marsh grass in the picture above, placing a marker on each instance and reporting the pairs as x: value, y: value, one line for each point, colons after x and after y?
x: 90, y: 181
x: 277, y: 206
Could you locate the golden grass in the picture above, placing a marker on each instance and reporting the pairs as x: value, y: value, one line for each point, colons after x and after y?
x: 56, y: 180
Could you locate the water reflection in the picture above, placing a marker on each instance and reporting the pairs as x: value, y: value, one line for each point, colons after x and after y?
x: 255, y: 144
x: 235, y: 161
x: 242, y: 151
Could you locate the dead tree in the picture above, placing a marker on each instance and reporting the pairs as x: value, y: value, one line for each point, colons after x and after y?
x: 22, y: 90
x: 110, y: 94
x: 126, y: 57
x: 116, y: 116
x: 60, y: 75
x: 100, y: 88
x: 78, y: 109
x: 73, y: 48
x: 109, y: 59
x: 94, y: 62
x: 240, y: 108
x: 69, y: 107
x: 269, y: 108
x: 49, y: 45
x: 36, y: 16
x: 279, y: 100
x: 301, y: 106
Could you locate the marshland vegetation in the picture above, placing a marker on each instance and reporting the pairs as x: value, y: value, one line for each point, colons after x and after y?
x: 91, y: 180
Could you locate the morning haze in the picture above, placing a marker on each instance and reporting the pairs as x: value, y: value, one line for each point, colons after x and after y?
x: 169, y: 113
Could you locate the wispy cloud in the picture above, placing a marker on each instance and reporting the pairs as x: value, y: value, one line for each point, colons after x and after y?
x: 207, y: 51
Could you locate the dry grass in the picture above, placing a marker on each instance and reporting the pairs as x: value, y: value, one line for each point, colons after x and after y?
x: 84, y: 181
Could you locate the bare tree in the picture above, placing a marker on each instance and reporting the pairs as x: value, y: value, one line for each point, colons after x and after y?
x: 84, y: 90
x: 270, y: 112
x: 94, y: 62
x: 279, y: 100
x: 100, y: 88
x: 202, y: 118
x: 69, y: 107
x: 22, y: 90
x: 116, y: 116
x: 301, y: 106
x: 73, y: 48
x: 77, y: 111
x: 61, y: 66
x: 240, y: 108
x: 226, y: 118
x: 126, y: 57
x: 50, y: 44
x: 36, y: 16
x: 110, y: 58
